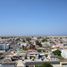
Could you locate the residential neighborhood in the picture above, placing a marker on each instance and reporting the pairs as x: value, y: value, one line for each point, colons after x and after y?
x: 33, y: 51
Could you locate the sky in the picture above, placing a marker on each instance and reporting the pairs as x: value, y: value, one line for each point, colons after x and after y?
x: 33, y: 17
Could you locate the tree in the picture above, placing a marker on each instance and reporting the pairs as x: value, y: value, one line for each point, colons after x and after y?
x: 46, y: 64
x: 44, y: 40
x: 28, y: 39
x: 46, y: 55
x: 39, y: 50
x: 57, y: 52
x: 38, y: 43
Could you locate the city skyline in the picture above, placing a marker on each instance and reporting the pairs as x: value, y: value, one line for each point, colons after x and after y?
x: 33, y: 17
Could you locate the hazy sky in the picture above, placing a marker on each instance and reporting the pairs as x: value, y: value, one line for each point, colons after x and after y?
x: 28, y: 17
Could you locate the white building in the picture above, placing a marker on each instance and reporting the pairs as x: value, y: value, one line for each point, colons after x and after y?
x: 4, y: 46
x: 64, y: 53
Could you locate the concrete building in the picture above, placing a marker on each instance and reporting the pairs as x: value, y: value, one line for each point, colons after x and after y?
x: 64, y: 53
x: 4, y: 47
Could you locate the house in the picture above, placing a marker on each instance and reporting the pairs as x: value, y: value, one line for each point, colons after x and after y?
x: 65, y: 45
x: 20, y: 44
x: 63, y: 64
x: 32, y: 53
x: 55, y: 46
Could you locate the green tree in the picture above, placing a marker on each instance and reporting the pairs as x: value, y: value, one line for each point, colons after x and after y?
x: 39, y: 50
x: 46, y: 64
x: 44, y: 40
x: 57, y: 52
x: 38, y: 43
